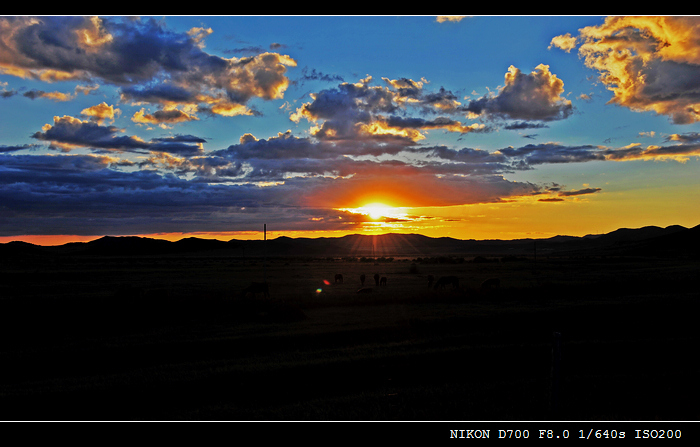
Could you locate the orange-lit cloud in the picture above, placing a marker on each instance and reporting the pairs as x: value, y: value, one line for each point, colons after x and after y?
x: 443, y: 19
x: 649, y: 63
x: 564, y: 42
x: 101, y: 112
x: 93, y: 35
x: 162, y: 118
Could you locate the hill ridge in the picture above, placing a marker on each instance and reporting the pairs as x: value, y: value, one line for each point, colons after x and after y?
x: 652, y: 240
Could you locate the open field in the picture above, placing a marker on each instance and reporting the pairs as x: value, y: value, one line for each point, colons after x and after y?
x: 171, y: 338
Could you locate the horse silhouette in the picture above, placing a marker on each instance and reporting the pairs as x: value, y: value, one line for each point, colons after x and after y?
x: 445, y: 280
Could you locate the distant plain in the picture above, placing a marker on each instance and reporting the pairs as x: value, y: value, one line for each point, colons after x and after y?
x: 171, y: 337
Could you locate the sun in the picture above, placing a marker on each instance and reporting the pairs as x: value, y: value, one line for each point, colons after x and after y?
x: 376, y: 210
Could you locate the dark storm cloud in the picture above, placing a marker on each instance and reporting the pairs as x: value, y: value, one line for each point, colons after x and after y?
x: 48, y: 194
x: 284, y: 146
x: 275, y: 157
x: 177, y: 145
x: 83, y: 194
x: 6, y: 149
x: 535, y: 154
x: 579, y: 192
x: 148, y: 61
x: 67, y: 133
x: 129, y: 52
x: 362, y: 112
x: 530, y: 97
x: 524, y: 125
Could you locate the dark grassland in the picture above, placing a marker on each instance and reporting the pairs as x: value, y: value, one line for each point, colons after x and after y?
x: 170, y: 338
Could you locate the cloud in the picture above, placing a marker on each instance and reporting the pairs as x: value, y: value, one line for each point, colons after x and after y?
x: 54, y: 96
x: 678, y: 152
x: 416, y: 188
x: 146, y: 60
x: 444, y: 123
x: 649, y: 63
x: 21, y: 147
x: 83, y: 194
x: 362, y: 112
x: 366, y: 141
x: 160, y: 93
x: 314, y: 75
x: 68, y: 133
x: 690, y: 137
x: 520, y: 125
x: 579, y: 192
x: 524, y: 157
x: 536, y: 154
x: 162, y: 118
x: 295, y: 181
x: 101, y: 112
x: 443, y: 19
x: 532, y: 97
x: 565, y: 42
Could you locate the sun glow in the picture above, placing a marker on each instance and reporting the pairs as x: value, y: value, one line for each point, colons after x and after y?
x: 378, y: 211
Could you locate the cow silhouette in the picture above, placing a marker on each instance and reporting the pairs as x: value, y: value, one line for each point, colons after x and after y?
x: 444, y: 281
x: 382, y: 282
x: 362, y: 279
x: 256, y: 287
x: 376, y: 279
x: 338, y: 278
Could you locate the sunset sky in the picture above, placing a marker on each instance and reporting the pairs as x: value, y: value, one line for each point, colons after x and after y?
x: 476, y: 127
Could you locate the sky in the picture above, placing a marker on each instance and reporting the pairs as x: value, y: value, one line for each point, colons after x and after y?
x: 472, y: 127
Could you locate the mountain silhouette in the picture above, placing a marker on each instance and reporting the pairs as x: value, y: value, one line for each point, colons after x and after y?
x: 674, y: 240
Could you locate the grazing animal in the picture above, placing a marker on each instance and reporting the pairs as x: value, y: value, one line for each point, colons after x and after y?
x: 445, y: 280
x: 431, y: 278
x: 376, y: 279
x: 362, y: 279
x: 491, y: 283
x: 256, y: 287
x: 338, y: 278
x: 382, y: 282
x: 365, y: 290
